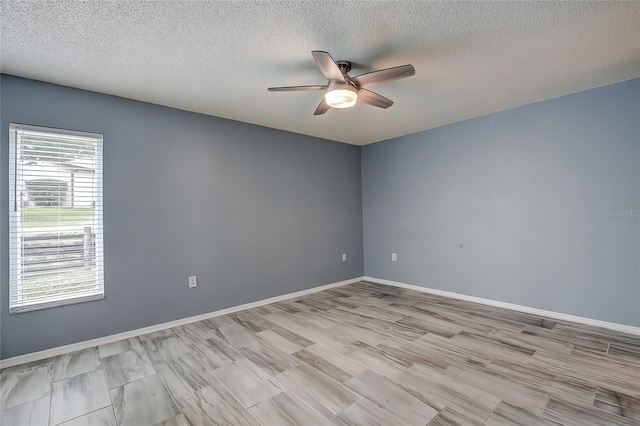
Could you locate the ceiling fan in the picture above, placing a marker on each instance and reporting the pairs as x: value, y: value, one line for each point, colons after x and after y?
x: 342, y: 91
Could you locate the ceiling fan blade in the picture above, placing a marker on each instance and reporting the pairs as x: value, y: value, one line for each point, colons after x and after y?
x: 322, y: 108
x: 371, y: 98
x: 381, y: 76
x: 327, y: 65
x: 296, y: 88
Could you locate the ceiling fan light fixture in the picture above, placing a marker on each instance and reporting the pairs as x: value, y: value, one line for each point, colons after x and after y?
x: 343, y: 91
x: 341, y: 95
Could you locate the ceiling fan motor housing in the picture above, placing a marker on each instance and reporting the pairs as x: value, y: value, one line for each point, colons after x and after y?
x: 345, y: 66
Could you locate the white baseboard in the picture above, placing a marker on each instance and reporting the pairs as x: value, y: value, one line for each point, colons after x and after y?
x: 60, y: 350
x: 551, y: 314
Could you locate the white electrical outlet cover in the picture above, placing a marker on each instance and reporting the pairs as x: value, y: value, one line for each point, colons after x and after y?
x: 344, y: 257
x: 193, y: 282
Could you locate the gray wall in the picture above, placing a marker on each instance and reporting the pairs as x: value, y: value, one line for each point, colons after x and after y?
x: 253, y: 212
x: 257, y: 212
x: 526, y: 193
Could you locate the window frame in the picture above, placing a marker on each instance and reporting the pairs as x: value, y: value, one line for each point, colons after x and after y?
x: 15, y: 217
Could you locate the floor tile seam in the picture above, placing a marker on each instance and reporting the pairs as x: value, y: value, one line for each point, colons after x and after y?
x: 173, y: 398
x: 322, y: 374
x: 277, y: 408
x: 77, y: 417
x: 384, y: 362
x: 599, y: 333
x: 544, y: 351
x: 342, y: 384
x: 402, y: 385
x: 280, y: 387
x: 398, y: 419
x: 180, y: 377
x: 492, y: 410
x: 296, y: 396
x: 531, y: 385
x: 622, y: 408
x: 470, y: 316
x: 578, y: 336
x: 323, y: 327
x: 545, y: 404
x: 464, y: 384
x: 14, y: 370
x: 49, y: 408
x: 386, y: 375
x: 350, y: 405
x: 171, y: 359
x: 502, y: 346
x: 124, y: 352
x: 555, y: 379
x: 338, y: 308
x: 396, y: 322
x: 132, y: 381
x: 75, y: 375
x: 108, y: 393
x: 619, y: 402
x: 595, y: 394
x: 186, y: 341
x: 617, y: 358
x: 221, y: 383
x: 351, y: 324
x: 576, y: 377
x: 447, y: 407
x: 453, y: 379
x: 614, y: 370
x: 597, y: 409
x: 155, y: 373
x: 506, y: 378
x: 335, y: 352
x: 570, y: 398
x: 31, y: 400
x: 2, y: 410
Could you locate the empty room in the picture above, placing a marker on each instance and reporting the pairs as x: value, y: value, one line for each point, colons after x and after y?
x: 319, y: 213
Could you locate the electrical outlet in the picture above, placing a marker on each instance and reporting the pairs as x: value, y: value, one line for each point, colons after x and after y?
x: 344, y: 257
x: 193, y: 282
x: 394, y: 257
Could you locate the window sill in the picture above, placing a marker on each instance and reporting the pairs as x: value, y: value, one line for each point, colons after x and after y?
x: 55, y: 303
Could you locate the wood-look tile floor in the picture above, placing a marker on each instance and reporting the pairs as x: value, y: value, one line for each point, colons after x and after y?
x: 361, y: 354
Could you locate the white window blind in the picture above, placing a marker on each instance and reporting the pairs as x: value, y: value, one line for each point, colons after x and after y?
x: 55, y: 220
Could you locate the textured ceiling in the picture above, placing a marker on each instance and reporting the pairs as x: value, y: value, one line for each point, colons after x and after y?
x: 218, y: 58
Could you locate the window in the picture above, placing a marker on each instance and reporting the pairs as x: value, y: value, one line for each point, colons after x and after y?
x: 55, y: 219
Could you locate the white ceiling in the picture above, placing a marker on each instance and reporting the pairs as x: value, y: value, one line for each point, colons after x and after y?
x: 218, y: 58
